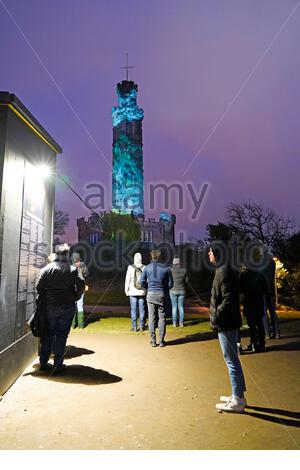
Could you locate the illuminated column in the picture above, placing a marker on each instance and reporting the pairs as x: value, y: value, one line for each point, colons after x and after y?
x: 127, y: 167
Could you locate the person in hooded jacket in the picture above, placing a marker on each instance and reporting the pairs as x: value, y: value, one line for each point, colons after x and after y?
x: 136, y: 293
x: 225, y: 318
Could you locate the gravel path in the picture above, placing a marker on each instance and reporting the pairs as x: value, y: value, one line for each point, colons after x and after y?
x: 119, y: 393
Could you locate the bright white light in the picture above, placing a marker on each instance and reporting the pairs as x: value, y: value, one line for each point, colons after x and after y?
x: 43, y: 170
x: 34, y: 189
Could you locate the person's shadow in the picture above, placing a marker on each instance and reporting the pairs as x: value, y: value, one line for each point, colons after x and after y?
x: 291, y: 346
x: 192, y: 338
x: 73, y: 351
x: 77, y: 374
x: 274, y: 415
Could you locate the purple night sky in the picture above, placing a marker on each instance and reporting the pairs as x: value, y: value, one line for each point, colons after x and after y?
x: 192, y: 58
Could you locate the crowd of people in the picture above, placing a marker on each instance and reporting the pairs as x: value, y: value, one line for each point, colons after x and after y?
x: 152, y: 284
x: 62, y: 284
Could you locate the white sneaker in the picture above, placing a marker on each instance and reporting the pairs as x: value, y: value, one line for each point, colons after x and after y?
x: 234, y: 405
x: 226, y: 399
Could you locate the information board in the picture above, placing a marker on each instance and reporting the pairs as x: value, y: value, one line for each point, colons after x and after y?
x: 32, y: 242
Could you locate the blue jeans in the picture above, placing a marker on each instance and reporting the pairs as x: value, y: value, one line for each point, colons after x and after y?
x: 177, y: 299
x: 59, y: 320
x: 137, y: 305
x: 228, y: 342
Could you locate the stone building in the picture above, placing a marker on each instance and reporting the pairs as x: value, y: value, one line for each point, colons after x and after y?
x: 90, y: 229
x: 154, y: 232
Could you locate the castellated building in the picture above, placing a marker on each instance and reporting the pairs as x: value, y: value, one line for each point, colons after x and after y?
x: 128, y: 175
x: 152, y: 232
x: 89, y: 230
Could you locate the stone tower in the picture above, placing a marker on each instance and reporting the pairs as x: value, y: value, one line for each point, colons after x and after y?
x: 127, y: 166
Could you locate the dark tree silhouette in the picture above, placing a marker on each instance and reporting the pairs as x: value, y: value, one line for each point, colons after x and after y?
x: 221, y: 231
x: 61, y: 221
x: 259, y: 222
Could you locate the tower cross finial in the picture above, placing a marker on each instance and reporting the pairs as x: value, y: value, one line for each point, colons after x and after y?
x: 127, y: 67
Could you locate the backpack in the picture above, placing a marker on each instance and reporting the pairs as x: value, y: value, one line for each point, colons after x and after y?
x: 137, y: 277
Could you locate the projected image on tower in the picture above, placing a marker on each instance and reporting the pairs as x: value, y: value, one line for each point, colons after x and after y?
x: 127, y: 171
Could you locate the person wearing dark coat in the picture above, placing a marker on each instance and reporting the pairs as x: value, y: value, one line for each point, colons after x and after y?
x: 226, y: 319
x: 253, y: 286
x: 60, y: 284
x: 177, y: 293
x: 269, y: 273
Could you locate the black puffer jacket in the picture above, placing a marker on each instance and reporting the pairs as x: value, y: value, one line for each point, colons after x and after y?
x: 254, y: 287
x: 180, y: 278
x: 60, y: 282
x: 225, y: 303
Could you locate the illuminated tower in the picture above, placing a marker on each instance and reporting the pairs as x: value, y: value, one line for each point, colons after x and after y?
x: 127, y: 167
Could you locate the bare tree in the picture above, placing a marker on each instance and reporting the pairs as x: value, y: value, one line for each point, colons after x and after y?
x: 221, y: 231
x: 61, y: 221
x: 259, y: 222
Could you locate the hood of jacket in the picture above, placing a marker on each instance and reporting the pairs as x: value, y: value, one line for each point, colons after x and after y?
x: 137, y: 260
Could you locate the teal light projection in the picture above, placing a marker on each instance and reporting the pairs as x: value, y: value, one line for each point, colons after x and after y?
x: 127, y: 107
x: 165, y: 216
x: 127, y: 168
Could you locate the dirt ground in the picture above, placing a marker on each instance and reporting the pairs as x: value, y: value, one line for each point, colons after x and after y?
x: 119, y: 393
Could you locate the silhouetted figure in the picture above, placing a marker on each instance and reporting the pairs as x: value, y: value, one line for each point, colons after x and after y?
x: 272, y: 330
x: 254, y: 288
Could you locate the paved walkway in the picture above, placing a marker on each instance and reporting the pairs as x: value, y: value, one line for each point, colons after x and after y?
x: 119, y: 393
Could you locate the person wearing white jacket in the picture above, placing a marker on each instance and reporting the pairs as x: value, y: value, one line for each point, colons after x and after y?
x: 135, y: 292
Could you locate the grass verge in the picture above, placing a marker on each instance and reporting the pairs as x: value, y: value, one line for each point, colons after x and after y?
x: 120, y: 324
